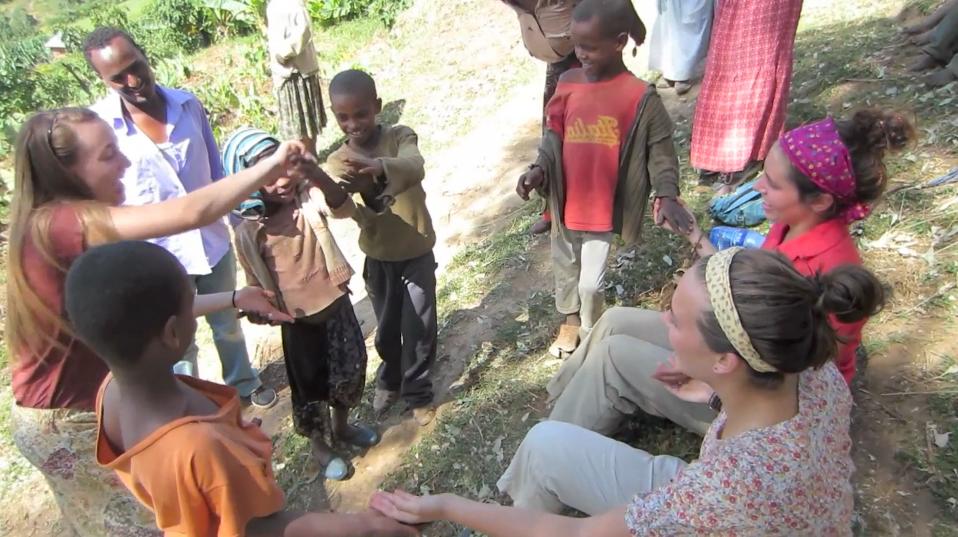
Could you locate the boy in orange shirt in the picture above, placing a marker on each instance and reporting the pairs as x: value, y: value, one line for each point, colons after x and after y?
x: 179, y: 443
x: 607, y: 147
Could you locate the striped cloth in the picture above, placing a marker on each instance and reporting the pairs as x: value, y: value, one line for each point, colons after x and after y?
x: 301, y: 111
x: 744, y: 98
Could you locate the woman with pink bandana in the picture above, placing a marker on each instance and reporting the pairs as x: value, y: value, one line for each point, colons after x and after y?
x: 818, y: 179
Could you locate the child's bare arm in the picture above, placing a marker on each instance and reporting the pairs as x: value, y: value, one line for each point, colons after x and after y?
x: 334, y: 194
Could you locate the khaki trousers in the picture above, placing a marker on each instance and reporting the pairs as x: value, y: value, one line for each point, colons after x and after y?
x: 579, y: 259
x: 610, y: 376
x: 560, y: 465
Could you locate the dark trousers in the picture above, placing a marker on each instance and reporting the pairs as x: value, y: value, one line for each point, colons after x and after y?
x: 944, y: 43
x: 325, y: 356
x: 403, y: 295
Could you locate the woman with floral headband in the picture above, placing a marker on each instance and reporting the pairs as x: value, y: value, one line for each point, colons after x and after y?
x: 747, y: 325
x: 818, y: 178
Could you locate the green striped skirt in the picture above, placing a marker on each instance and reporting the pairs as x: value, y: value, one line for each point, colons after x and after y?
x: 301, y: 110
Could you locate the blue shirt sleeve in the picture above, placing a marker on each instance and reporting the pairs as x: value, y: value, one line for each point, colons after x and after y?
x: 216, y: 164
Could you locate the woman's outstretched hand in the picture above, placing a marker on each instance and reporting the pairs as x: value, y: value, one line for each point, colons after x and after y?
x: 407, y: 508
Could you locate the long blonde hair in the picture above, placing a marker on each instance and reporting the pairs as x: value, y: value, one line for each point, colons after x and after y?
x: 47, y: 146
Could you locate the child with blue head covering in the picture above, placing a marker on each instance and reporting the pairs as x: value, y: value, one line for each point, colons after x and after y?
x: 284, y: 245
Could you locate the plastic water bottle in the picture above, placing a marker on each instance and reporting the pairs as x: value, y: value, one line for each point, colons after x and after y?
x: 723, y: 237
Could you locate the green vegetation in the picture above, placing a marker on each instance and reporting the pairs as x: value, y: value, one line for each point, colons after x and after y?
x: 30, y: 79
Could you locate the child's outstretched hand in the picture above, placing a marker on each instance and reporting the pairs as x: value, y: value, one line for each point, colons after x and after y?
x: 360, y: 165
x: 672, y: 214
x: 258, y: 304
x: 307, y: 167
x: 529, y: 181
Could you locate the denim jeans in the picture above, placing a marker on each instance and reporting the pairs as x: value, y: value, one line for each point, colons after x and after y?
x: 227, y: 333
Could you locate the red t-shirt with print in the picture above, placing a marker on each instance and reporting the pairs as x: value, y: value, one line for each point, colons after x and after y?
x: 593, y: 119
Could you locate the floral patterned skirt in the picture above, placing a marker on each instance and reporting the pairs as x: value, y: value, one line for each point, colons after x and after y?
x: 325, y: 357
x: 61, y: 443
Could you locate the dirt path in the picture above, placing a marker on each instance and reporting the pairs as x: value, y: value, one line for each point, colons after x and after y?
x: 474, y: 151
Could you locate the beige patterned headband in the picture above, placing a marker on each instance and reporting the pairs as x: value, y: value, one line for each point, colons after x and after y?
x: 719, y: 286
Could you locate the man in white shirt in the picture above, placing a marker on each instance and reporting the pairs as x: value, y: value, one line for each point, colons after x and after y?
x: 167, y: 137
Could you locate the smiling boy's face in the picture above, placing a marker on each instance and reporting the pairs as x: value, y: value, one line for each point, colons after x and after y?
x: 356, y: 116
x: 596, y: 50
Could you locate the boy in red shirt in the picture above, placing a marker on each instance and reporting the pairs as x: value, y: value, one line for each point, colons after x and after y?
x: 607, y: 147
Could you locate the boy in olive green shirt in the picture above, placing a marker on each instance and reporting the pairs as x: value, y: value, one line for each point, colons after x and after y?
x: 382, y: 167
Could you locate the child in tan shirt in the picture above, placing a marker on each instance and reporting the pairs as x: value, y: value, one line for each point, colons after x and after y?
x: 286, y: 247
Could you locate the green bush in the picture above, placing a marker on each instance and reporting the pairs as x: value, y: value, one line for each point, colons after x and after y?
x: 387, y: 10
x: 65, y: 12
x: 16, y: 61
x: 230, y: 17
x: 112, y: 16
x: 64, y: 81
x: 187, y: 24
x: 72, y: 36
x: 17, y: 25
x: 329, y: 12
x: 159, y: 43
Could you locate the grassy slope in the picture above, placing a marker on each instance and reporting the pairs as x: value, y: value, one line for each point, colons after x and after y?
x: 846, y: 57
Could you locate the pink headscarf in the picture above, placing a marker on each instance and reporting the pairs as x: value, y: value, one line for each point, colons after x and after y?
x: 818, y: 152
